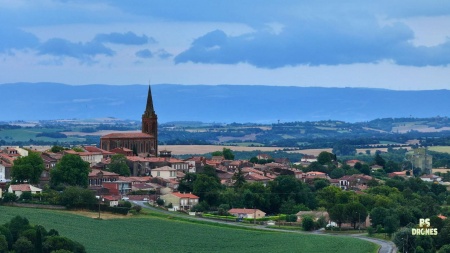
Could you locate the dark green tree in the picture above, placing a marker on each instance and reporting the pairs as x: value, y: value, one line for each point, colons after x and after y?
x: 337, y: 214
x: 23, y: 245
x: 377, y: 216
x: 17, y: 225
x: 73, y: 196
x: 119, y: 165
x: 239, y: 179
x: 356, y: 213
x: 187, y: 182
x: 378, y: 160
x: 27, y: 169
x: 56, y: 149
x: 3, y: 244
x: 71, y: 170
x: 228, y: 154
x: 325, y: 157
x: 207, y: 188
x: 307, y: 223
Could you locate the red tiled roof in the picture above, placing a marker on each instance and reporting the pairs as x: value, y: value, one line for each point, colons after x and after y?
x: 94, y: 172
x: 111, y: 198
x: 185, y: 195
x: 21, y: 187
x: 126, y: 135
x: 135, y: 179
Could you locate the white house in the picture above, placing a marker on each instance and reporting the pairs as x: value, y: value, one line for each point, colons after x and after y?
x: 18, y: 189
x: 165, y: 172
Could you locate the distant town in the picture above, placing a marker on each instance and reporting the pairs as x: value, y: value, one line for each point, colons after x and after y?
x: 381, y: 177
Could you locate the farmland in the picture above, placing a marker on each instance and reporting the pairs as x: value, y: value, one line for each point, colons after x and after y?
x: 156, y: 234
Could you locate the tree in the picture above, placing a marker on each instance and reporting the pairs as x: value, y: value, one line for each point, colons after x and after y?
x: 23, y: 245
x: 187, y: 182
x: 325, y: 157
x: 327, y: 197
x: 71, y: 170
x: 3, y: 244
x: 355, y: 213
x: 56, y: 149
x: 239, y: 179
x: 445, y: 249
x: 391, y: 223
x: 377, y: 216
x: 307, y: 223
x: 119, y: 165
x: 9, y: 197
x: 54, y: 243
x: 17, y: 225
x: 228, y: 154
x: 74, y: 196
x: 404, y: 240
x: 255, y: 160
x: 337, y: 214
x: 378, y: 160
x: 207, y: 188
x: 27, y: 169
x: 337, y: 173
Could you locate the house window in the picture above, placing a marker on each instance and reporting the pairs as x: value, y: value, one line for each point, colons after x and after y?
x: 158, y: 174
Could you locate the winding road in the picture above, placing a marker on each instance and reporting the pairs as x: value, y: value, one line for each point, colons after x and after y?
x: 385, y: 246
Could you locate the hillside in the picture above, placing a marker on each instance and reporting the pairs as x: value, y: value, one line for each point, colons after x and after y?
x: 221, y: 103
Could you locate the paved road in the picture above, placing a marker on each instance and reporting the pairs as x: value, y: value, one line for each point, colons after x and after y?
x: 385, y: 246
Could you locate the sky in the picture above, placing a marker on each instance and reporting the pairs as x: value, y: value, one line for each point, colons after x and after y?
x: 399, y: 45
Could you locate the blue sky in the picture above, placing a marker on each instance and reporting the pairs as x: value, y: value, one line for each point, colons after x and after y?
x: 402, y: 45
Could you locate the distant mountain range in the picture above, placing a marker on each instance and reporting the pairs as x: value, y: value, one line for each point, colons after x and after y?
x: 221, y: 103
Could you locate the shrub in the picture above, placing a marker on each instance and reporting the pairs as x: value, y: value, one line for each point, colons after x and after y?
x: 307, y: 223
x: 291, y: 218
x: 160, y: 202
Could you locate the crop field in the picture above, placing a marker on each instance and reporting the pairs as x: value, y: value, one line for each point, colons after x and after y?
x: 26, y: 134
x: 442, y: 149
x: 156, y: 234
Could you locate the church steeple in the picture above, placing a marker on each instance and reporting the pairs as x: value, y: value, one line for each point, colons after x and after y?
x: 149, y: 110
x: 150, y: 123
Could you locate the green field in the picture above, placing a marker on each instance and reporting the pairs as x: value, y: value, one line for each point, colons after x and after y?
x: 25, y: 134
x: 442, y: 149
x: 156, y: 234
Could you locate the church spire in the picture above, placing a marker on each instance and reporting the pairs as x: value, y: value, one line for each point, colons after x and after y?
x: 149, y: 110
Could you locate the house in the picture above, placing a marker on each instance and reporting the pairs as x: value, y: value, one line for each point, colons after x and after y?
x: 91, y: 157
x: 117, y: 187
x: 106, y: 154
x: 431, y: 178
x: 354, y: 182
x: 97, y: 177
x: 247, y: 213
x: 111, y: 200
x: 180, y: 201
x: 263, y: 157
x: 352, y: 163
x: 403, y: 174
x: 165, y: 172
x: 308, y: 159
x: 18, y: 189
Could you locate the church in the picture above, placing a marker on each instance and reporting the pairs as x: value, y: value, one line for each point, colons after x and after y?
x: 144, y: 143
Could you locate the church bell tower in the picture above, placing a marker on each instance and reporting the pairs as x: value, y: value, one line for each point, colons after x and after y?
x: 150, y: 121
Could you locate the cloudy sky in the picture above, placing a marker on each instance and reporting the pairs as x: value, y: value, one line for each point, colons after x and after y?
x: 402, y: 44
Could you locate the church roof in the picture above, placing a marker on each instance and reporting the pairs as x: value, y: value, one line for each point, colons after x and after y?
x: 126, y: 135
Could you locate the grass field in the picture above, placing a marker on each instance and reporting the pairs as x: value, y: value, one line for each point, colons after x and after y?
x: 442, y: 149
x: 156, y: 234
x: 26, y: 134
